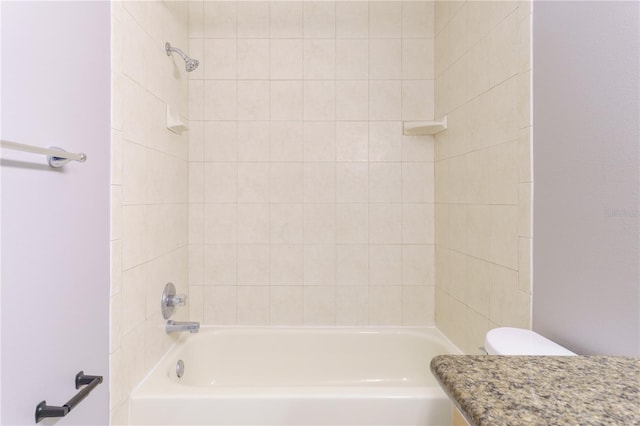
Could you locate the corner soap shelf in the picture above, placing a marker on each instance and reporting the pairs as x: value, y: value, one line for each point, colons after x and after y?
x: 420, y: 128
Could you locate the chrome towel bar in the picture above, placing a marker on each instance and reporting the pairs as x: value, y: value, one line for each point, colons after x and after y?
x: 56, y: 157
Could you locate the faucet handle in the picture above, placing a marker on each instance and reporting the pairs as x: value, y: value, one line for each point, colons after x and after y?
x: 177, y: 300
x: 170, y: 300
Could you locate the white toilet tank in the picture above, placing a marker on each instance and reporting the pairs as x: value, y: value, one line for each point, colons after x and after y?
x: 518, y: 341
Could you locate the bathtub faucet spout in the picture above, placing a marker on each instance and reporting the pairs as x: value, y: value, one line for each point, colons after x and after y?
x: 179, y: 326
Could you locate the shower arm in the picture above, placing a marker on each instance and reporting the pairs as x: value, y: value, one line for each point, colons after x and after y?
x: 168, y: 48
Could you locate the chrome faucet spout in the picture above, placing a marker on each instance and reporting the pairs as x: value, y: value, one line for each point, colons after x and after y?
x: 180, y: 326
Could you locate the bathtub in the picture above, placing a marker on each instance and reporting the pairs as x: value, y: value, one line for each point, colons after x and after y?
x: 297, y: 376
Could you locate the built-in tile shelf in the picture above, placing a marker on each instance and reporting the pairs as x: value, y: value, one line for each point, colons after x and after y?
x: 176, y: 122
x: 420, y: 128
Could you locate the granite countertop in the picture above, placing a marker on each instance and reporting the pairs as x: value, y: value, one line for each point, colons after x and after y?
x: 542, y: 390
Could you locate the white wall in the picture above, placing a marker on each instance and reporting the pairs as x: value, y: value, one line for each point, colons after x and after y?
x: 586, y: 93
x: 55, y: 223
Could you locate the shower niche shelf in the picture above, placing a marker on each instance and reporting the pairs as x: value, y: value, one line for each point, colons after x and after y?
x: 421, y: 128
x: 175, y: 122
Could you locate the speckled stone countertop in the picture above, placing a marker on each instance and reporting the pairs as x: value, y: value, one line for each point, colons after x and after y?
x: 537, y: 390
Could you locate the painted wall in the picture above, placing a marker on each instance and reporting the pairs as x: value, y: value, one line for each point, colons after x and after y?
x: 149, y: 188
x: 587, y: 127
x: 482, y: 168
x: 55, y: 222
x: 307, y: 206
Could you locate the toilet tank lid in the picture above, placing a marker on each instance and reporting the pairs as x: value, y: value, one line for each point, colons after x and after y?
x: 518, y: 341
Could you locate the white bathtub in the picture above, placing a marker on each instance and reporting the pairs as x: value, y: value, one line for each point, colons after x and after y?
x: 297, y: 376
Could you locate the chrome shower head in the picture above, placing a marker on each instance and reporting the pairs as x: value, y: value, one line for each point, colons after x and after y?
x: 190, y: 63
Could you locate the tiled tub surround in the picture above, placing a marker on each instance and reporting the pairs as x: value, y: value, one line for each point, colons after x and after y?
x: 483, y: 168
x: 149, y: 188
x: 307, y: 206
x: 508, y: 390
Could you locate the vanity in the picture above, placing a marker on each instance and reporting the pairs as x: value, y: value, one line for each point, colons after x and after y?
x: 542, y: 390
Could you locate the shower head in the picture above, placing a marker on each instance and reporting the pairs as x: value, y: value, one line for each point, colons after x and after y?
x: 190, y: 63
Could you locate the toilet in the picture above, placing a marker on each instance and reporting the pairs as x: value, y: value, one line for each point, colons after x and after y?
x: 518, y: 341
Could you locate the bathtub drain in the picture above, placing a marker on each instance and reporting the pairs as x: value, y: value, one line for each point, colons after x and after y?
x: 179, y: 368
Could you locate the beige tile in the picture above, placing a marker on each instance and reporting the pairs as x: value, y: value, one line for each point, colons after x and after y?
x: 458, y: 287
x: 509, y: 306
x: 352, y: 223
x: 524, y: 210
x: 196, y: 20
x: 385, y: 305
x: 385, y: 141
x: 286, y: 141
x: 220, y: 262
x: 385, y: 264
x: 319, y: 265
x: 524, y: 265
x: 458, y: 31
x: 220, y: 20
x: 220, y: 305
x: 115, y: 332
x: 253, y: 305
x: 385, y: 182
x: 286, y: 59
x: 134, y: 283
x: 417, y: 100
x: 385, y: 59
x: 220, y: 223
x: 385, y: 223
x: 418, y: 182
x: 477, y: 75
x: 418, y: 148
x: 352, y: 100
x: 385, y: 19
x: 479, y: 285
x: 319, y: 59
x: 286, y: 224
x: 504, y: 235
x: 352, y: 59
x: 478, y: 327
x: 286, y: 305
x: 319, y: 100
x: 319, y: 223
x: 220, y: 61
x: 385, y: 100
x: 319, y: 19
x: 319, y: 305
x: 418, y: 306
x: 253, y: 264
x: 352, y: 182
x: 503, y: 50
x: 286, y: 182
x: 478, y: 231
x: 220, y: 100
x: 253, y: 141
x: 524, y: 99
x: 196, y: 264
x: 253, y: 100
x: 503, y: 175
x: 253, y: 19
x: 352, y: 141
x: 417, y: 59
x: 458, y: 227
x: 319, y: 182
x: 479, y: 176
x: 286, y: 264
x: 504, y: 112
x: 220, y: 182
x: 319, y: 141
x: 286, y: 19
x: 196, y: 303
x: 220, y: 141
x: 418, y: 264
x: 418, y: 19
x: 524, y: 155
x: 286, y: 100
x: 253, y: 182
x: 442, y: 225
x: 352, y: 19
x: 352, y: 264
x: 116, y: 267
x: 253, y: 223
x: 352, y: 304
x: 418, y: 223
x: 196, y: 141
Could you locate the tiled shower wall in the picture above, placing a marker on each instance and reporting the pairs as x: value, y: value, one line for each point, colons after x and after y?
x: 149, y: 188
x: 307, y: 206
x: 483, y: 168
